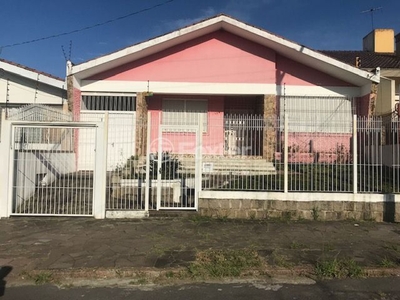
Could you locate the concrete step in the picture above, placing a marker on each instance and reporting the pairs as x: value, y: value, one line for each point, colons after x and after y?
x: 228, y: 165
x: 225, y: 165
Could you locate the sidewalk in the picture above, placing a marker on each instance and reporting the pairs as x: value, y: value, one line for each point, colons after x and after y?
x: 75, y: 244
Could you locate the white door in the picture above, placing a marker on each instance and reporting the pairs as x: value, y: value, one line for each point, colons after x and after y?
x: 121, y: 139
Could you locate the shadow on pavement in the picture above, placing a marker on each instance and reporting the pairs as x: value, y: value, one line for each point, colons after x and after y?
x: 4, y: 271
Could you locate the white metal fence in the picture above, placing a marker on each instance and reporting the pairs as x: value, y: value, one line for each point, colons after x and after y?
x: 224, y: 152
x: 44, y: 174
x: 298, y: 156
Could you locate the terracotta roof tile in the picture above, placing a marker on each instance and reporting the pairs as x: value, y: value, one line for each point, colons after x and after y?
x: 368, y: 59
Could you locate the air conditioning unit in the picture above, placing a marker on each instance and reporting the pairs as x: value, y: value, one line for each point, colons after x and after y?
x: 230, y: 137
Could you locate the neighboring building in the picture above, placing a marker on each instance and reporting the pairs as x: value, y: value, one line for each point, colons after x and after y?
x: 20, y: 85
x: 381, y: 49
x: 219, y: 67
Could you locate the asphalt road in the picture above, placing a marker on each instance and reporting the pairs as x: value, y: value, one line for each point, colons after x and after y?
x: 372, y: 288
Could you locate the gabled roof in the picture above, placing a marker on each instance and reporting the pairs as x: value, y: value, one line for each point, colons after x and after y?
x: 369, y: 60
x: 280, y: 45
x: 30, y: 73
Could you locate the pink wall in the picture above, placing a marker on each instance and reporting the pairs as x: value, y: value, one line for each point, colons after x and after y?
x: 327, y: 148
x: 216, y: 57
x: 294, y: 73
x: 220, y: 57
x: 184, y: 143
x: 327, y: 142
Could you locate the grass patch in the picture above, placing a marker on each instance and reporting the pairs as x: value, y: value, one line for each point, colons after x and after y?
x: 281, y: 260
x: 200, y: 219
x: 39, y: 278
x: 224, y: 263
x: 335, y: 268
x: 295, y: 245
x: 387, y: 263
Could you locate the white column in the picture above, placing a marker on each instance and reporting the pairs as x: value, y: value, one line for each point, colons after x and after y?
x: 100, y: 170
x: 5, y: 178
x: 198, y: 161
x: 159, y: 162
x: 286, y: 155
x: 148, y: 179
x: 355, y: 158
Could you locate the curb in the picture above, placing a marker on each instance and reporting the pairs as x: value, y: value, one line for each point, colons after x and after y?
x: 145, y: 276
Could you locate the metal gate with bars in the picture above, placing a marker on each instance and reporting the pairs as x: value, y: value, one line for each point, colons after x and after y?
x: 164, y: 177
x: 175, y: 173
x: 57, y: 171
x: 45, y: 179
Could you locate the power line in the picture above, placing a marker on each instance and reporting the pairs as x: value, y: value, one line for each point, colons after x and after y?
x: 87, y: 27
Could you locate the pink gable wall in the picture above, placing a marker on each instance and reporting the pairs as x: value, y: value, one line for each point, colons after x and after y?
x: 220, y: 57
x: 294, y: 73
x: 216, y: 57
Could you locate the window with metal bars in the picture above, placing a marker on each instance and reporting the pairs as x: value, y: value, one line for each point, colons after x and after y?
x: 179, y: 113
x: 317, y: 114
x: 109, y: 102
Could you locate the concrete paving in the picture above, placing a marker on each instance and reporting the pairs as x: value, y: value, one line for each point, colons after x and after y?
x: 79, y: 244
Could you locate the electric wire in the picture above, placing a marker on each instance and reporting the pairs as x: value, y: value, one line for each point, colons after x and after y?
x: 87, y: 27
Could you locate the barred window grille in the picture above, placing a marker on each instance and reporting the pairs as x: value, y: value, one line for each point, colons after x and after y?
x: 178, y: 113
x: 109, y: 102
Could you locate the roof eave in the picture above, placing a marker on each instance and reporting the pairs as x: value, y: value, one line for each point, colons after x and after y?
x: 11, y: 68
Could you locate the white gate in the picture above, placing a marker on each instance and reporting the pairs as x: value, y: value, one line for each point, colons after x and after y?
x: 175, y: 168
x: 45, y: 177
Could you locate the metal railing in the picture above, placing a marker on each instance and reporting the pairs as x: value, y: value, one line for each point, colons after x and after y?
x: 295, y: 156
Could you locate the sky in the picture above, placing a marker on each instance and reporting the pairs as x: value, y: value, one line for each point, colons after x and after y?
x: 43, y: 34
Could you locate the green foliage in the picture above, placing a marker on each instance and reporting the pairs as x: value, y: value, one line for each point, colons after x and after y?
x: 315, y: 213
x: 335, y: 268
x: 387, y: 263
x: 224, y: 263
x: 198, y: 219
x: 132, y: 170
x: 129, y: 170
x: 42, y: 278
x: 281, y: 260
x: 295, y: 245
x: 169, y: 166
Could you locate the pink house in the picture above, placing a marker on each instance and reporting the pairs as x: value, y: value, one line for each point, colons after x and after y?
x: 220, y: 68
